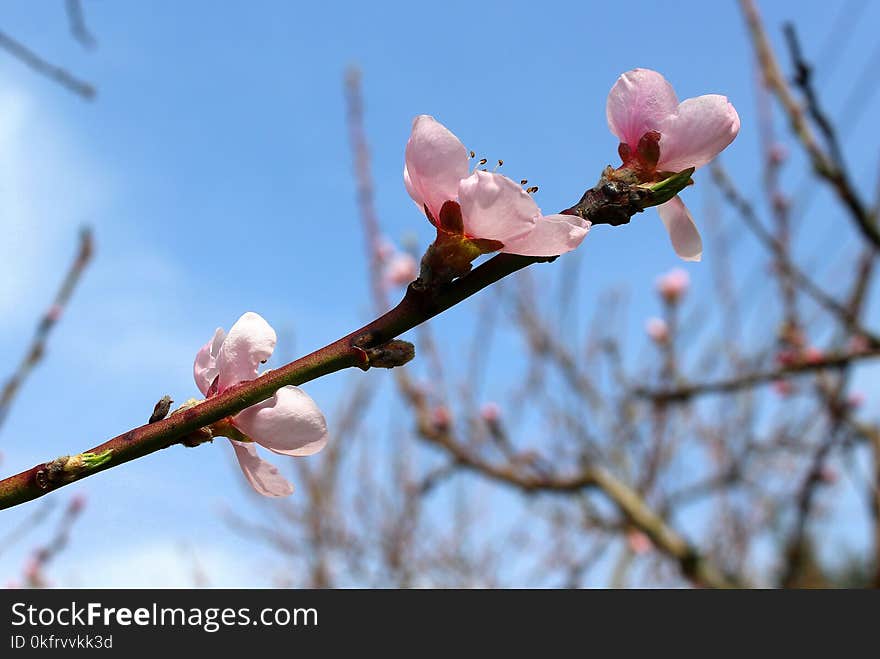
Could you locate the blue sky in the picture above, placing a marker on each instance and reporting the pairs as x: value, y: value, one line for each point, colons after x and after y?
x: 215, y: 169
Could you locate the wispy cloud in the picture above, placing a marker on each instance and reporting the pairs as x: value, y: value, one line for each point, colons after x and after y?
x: 165, y: 564
x: 48, y: 186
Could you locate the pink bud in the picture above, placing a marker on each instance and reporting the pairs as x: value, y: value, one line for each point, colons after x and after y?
x: 638, y: 542
x: 856, y: 399
x: 657, y: 329
x: 32, y: 570
x: 440, y: 417
x: 673, y: 285
x: 384, y: 250
x: 490, y: 412
x: 813, y: 355
x: 786, y: 357
x: 77, y: 503
x: 778, y: 153
x: 780, y: 202
x: 401, y: 270
x: 53, y: 314
x: 783, y: 388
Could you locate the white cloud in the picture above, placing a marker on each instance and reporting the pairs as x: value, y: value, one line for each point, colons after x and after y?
x: 48, y: 186
x: 165, y: 564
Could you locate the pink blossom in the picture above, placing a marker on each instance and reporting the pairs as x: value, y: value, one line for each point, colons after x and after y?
x: 480, y: 205
x: 643, y: 106
x: 778, y: 153
x: 401, y: 269
x: 76, y: 505
x: 813, y: 355
x: 53, y: 314
x: 657, y: 329
x: 673, y: 285
x: 638, y: 542
x: 32, y: 570
x: 787, y: 357
x: 384, y: 250
x: 288, y: 423
x: 491, y: 412
x: 440, y: 417
x: 783, y: 388
x: 780, y: 202
x: 856, y: 399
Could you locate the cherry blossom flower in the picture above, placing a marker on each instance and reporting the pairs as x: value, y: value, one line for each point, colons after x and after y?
x: 288, y: 423
x: 659, y: 136
x: 482, y: 206
x: 657, y: 329
x: 673, y: 285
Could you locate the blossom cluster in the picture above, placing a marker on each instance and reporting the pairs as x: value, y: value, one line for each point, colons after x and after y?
x: 476, y: 212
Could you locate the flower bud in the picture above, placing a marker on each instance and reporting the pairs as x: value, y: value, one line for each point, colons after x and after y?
x: 441, y: 418
x: 673, y: 285
x: 657, y: 329
x: 490, y: 412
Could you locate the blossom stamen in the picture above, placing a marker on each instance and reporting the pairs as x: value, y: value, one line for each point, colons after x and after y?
x: 485, y: 211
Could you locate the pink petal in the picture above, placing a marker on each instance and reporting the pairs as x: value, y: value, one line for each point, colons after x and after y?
x: 496, y: 208
x: 249, y: 343
x: 435, y: 162
x: 205, y: 366
x: 289, y: 423
x: 682, y: 231
x: 552, y: 235
x: 411, y: 189
x: 698, y: 132
x: 263, y: 476
x: 638, y: 102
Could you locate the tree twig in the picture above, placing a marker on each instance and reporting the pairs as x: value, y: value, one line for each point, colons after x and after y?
x: 37, y: 348
x: 51, y: 71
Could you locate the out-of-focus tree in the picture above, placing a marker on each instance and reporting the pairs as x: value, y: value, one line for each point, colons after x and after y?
x: 708, y: 456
